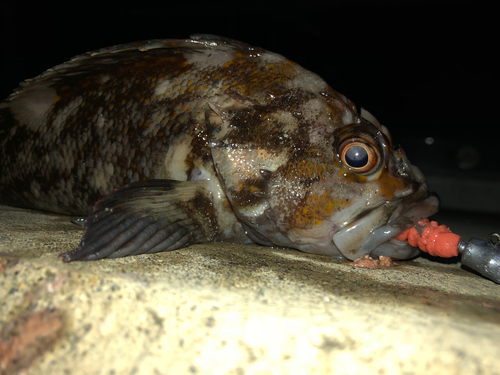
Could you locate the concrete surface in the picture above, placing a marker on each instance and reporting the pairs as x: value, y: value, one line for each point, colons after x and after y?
x: 232, y: 309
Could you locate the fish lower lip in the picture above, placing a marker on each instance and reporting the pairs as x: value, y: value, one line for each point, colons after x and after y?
x: 356, y: 240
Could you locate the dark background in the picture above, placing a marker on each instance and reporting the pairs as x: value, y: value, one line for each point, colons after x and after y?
x: 425, y: 69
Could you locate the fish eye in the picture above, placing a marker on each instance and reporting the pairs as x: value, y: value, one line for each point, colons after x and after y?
x: 359, y: 156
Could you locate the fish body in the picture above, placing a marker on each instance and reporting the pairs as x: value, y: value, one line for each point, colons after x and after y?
x: 205, y: 139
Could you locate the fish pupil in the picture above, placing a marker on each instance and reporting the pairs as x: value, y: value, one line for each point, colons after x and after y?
x: 356, y: 156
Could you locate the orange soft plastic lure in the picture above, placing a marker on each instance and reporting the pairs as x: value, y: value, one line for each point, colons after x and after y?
x: 428, y: 236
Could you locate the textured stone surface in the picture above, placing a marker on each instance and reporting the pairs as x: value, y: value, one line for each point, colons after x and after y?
x: 224, y: 308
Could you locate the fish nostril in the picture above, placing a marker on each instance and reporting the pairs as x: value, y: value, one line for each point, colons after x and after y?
x: 401, y: 162
x: 401, y: 167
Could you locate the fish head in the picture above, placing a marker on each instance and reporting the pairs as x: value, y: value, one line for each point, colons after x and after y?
x: 310, y: 173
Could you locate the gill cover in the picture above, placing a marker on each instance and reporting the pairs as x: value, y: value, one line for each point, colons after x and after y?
x: 245, y: 165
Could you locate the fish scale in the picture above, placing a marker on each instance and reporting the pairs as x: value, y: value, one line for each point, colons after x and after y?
x: 204, y: 139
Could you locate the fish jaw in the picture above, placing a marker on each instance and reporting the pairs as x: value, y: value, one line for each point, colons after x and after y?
x: 372, y: 234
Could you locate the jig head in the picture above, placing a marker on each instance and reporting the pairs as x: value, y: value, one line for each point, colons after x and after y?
x: 482, y: 256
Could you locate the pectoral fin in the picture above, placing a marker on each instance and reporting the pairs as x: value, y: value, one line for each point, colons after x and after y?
x: 147, y: 217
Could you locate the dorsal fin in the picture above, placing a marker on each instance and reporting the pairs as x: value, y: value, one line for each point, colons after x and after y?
x: 87, y: 63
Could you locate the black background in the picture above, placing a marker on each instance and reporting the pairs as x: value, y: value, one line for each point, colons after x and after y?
x: 423, y: 68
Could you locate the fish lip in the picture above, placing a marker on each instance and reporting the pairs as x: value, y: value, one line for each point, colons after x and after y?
x: 410, y: 210
x: 414, y: 213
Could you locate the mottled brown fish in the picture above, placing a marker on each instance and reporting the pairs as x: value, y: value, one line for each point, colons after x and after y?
x: 205, y: 139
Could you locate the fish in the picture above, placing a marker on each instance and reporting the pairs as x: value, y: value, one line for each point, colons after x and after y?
x: 166, y: 143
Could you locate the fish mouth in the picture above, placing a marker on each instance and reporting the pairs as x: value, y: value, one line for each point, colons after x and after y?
x: 389, y: 219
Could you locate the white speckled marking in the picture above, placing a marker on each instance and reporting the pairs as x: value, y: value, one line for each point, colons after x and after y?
x: 63, y: 115
x: 174, y: 166
x: 32, y: 107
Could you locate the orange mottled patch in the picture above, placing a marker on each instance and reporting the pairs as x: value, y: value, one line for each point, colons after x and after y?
x: 315, y: 209
x: 389, y: 185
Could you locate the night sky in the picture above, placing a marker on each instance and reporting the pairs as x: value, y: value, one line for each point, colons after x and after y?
x: 423, y: 68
